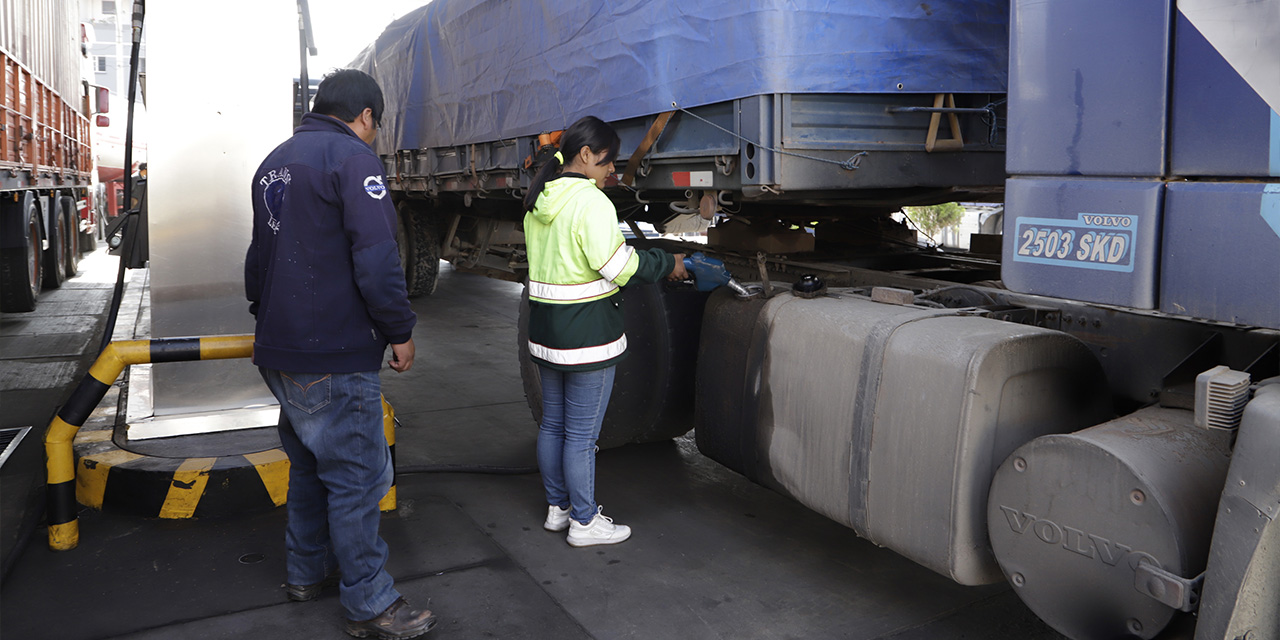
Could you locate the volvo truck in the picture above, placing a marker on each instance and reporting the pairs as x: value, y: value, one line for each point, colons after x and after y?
x: 1083, y: 406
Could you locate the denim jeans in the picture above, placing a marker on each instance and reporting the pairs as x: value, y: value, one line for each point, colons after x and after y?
x: 339, y: 468
x: 573, y: 405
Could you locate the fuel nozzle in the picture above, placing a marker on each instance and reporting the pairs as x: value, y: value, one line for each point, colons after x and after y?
x: 710, y: 273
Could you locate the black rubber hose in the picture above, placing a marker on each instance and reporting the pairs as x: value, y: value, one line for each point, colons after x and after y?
x: 117, y: 295
x: 139, y: 13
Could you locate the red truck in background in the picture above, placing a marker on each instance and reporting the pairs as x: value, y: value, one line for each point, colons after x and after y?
x: 47, y: 213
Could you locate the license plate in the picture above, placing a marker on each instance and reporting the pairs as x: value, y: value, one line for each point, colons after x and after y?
x: 1091, y: 241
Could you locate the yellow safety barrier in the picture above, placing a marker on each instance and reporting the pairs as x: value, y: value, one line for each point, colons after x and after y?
x: 272, y: 466
x: 388, y: 502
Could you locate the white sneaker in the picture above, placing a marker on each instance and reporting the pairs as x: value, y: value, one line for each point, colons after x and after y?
x: 601, y: 530
x: 557, y: 519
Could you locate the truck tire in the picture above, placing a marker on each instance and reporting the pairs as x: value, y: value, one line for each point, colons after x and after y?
x: 653, y: 389
x: 73, y: 236
x: 20, y: 277
x: 419, y: 250
x: 55, y: 257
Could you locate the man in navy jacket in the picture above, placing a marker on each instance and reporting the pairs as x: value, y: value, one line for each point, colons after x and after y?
x: 324, y: 282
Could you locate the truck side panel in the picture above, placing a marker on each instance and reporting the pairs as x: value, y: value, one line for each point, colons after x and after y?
x: 456, y: 72
x: 45, y: 155
x: 45, y: 137
x: 1086, y: 124
x: 43, y: 34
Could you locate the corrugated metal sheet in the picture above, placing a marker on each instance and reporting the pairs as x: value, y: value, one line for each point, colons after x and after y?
x: 45, y: 132
x: 44, y: 35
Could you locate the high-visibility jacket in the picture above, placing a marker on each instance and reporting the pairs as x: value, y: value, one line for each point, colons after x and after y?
x: 577, y: 261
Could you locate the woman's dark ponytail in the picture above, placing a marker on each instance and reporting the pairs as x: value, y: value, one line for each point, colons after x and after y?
x: 547, y: 171
x: 590, y: 132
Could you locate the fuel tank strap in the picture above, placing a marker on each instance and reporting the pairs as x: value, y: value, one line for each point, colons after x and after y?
x: 865, y: 401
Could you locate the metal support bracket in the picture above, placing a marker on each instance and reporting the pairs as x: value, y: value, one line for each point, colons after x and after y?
x: 762, y: 261
x: 1178, y: 389
x: 446, y: 246
x: 956, y: 142
x: 1166, y: 588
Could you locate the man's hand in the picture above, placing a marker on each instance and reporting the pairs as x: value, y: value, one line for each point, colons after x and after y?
x: 678, y: 273
x: 402, y: 356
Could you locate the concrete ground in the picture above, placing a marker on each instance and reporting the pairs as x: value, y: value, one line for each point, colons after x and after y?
x: 712, y: 556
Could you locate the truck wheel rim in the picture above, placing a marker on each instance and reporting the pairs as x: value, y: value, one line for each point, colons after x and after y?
x: 33, y: 254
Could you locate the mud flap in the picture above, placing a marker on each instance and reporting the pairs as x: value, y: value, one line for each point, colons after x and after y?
x: 1243, y: 575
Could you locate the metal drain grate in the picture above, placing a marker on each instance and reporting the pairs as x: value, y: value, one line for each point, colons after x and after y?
x: 9, y: 439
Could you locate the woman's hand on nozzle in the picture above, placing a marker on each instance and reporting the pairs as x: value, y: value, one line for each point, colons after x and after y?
x: 678, y: 273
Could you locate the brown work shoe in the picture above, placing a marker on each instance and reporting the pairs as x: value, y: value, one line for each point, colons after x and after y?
x: 398, y: 621
x: 308, y: 592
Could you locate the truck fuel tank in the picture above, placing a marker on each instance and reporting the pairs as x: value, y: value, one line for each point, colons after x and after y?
x: 890, y: 419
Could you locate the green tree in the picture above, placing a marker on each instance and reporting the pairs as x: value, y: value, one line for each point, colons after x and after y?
x: 934, y: 217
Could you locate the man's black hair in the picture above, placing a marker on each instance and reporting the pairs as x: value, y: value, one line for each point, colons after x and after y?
x: 345, y: 93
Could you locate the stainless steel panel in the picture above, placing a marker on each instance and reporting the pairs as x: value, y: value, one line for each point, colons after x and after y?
x: 142, y: 423
x: 212, y: 119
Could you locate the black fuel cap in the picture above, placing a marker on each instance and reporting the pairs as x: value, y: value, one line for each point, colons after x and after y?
x: 809, y: 286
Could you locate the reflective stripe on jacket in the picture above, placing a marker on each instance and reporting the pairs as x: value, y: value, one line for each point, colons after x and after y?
x: 577, y: 261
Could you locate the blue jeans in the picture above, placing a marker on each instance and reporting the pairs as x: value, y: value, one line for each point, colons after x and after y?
x: 339, y: 468
x: 573, y: 407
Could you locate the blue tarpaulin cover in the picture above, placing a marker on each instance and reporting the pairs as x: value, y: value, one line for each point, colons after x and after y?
x: 468, y: 71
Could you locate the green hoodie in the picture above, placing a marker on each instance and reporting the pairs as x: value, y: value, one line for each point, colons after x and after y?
x: 577, y: 261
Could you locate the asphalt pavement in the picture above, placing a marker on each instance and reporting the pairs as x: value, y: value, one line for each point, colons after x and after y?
x: 712, y: 555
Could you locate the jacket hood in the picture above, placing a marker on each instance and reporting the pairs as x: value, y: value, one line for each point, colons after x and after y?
x: 557, y: 194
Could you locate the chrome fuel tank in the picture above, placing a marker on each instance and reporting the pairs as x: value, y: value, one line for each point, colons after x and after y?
x: 888, y: 419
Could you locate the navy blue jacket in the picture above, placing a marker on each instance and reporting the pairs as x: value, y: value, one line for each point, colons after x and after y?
x: 323, y: 273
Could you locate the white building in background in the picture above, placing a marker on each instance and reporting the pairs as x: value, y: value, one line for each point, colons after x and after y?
x: 108, y: 26
x: 111, y: 21
x: 976, y: 217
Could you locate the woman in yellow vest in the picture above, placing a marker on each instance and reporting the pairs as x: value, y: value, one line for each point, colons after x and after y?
x: 577, y: 261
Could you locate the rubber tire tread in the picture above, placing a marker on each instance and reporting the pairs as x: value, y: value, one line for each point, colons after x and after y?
x: 422, y: 265
x: 653, y: 390
x: 16, y: 293
x: 55, y: 257
x: 730, y: 358
x: 73, y: 235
